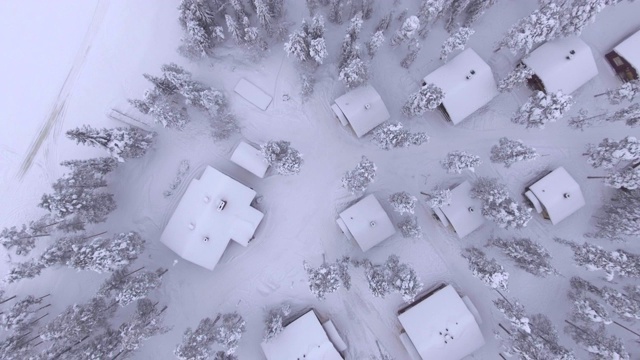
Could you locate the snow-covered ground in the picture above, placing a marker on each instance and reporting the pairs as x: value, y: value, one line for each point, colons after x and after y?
x: 79, y: 60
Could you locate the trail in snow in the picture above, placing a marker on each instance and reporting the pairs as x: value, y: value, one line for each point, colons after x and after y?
x: 55, y: 120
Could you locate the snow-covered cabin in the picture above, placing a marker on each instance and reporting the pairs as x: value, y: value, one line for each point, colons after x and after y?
x: 366, y: 222
x: 468, y: 84
x: 362, y: 108
x: 556, y: 196
x: 443, y: 326
x: 250, y: 159
x: 463, y: 212
x: 625, y: 58
x: 214, y: 210
x: 561, y: 65
x: 305, y: 338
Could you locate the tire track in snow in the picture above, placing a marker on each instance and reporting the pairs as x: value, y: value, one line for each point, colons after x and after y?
x: 55, y: 119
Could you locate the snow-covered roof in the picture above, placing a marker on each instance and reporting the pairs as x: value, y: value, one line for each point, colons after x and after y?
x: 364, y: 109
x: 250, y: 159
x: 629, y: 49
x: 442, y: 327
x: 253, y: 94
x: 367, y: 222
x: 549, y: 62
x: 464, y: 92
x: 559, y: 194
x: 198, y: 231
x: 305, y: 338
x: 463, y: 212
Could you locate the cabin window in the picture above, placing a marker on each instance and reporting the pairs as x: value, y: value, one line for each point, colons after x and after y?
x: 618, y: 61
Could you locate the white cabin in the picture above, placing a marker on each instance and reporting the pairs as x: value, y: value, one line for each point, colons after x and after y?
x: 366, y: 222
x: 556, y: 195
x: 362, y: 108
x: 463, y: 212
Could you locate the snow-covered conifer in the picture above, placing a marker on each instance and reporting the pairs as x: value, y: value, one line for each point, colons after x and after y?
x: 102, y: 254
x: 408, y: 29
x: 586, y: 308
x: 630, y: 115
x: 23, y: 239
x: 82, y: 204
x: 507, y: 214
x: 263, y: 13
x: 344, y: 265
x: 628, y: 178
x: 403, y: 202
x: 610, y: 152
x: 454, y: 10
x: 476, y: 9
x: 510, y: 151
x: 516, y: 77
x: 383, y: 24
x: 542, y: 25
x: 24, y: 270
x: 392, y: 276
x: 374, y: 43
x: 367, y: 9
x: 324, y: 279
x: 429, y: 97
x: 542, y: 108
x: 457, y: 41
x: 274, y: 320
x: 414, y: 49
x: 438, y: 198
x: 627, y: 91
x: 593, y: 258
x: 619, y: 218
x: 430, y: 11
x: 162, y: 109
x: 145, y: 323
x: 308, y: 42
x: 196, y: 345
x: 357, y: 180
x: 392, y: 135
x: 22, y: 315
x: 201, y: 33
x: 528, y: 255
x: 234, y: 29
x: 13, y: 347
x: 409, y: 227
x: 297, y: 45
x: 457, y: 161
x: 580, y: 14
x: 487, y: 270
x: 597, y: 343
x: 121, y: 143
x: 514, y: 312
x: 335, y: 11
x: 308, y: 82
x: 489, y: 190
x: 285, y: 159
x: 223, y: 126
x: 354, y: 73
x: 127, y: 287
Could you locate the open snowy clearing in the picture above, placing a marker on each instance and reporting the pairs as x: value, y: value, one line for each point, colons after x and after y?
x: 93, y: 62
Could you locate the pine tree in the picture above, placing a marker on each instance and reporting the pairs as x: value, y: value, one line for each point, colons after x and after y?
x: 357, y: 180
x: 585, y: 308
x: 274, y: 320
x: 580, y: 14
x: 24, y: 270
x: 457, y: 41
x: 429, y: 97
x: 510, y: 151
x: 476, y: 9
x: 542, y: 25
x: 487, y: 270
x: 619, y: 218
x: 23, y: 239
x: 408, y: 29
x: 323, y: 280
x: 196, y: 344
x: 628, y: 178
x: 517, y: 77
x: 392, y: 276
x: 14, y: 347
x: 430, y: 11
x: 367, y: 9
x: 383, y: 24
x: 82, y: 204
x: 392, y: 135
x: 308, y: 42
x: 597, y: 343
x: 498, y: 206
x: 263, y: 14
x: 121, y: 143
x: 514, y: 312
x: 312, y: 5
x: 355, y: 73
x: 308, y: 83
x: 127, y: 287
x: 162, y: 109
x: 414, y: 49
x: 22, y: 315
x: 409, y: 227
x: 593, y: 258
x: 403, y: 202
x: 630, y: 115
x: 145, y: 323
x: 610, y: 153
x: 542, y: 108
x: 201, y: 33
x: 234, y: 29
x: 457, y: 161
x: 285, y: 159
x: 335, y: 11
x: 455, y: 9
x: 528, y: 255
x: 374, y: 43
x: 627, y: 91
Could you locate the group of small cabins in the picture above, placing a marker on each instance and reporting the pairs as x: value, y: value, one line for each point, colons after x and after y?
x: 442, y: 323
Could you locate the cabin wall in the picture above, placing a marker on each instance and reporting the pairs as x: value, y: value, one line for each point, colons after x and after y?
x: 625, y: 71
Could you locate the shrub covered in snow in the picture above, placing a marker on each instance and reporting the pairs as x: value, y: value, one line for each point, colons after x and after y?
x: 391, y: 136
x: 429, y: 97
x: 457, y: 161
x: 542, y: 109
x: 392, y: 276
x: 357, y: 180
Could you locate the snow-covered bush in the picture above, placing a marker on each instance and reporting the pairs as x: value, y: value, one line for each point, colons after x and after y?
x: 274, y: 319
x: 409, y: 227
x: 414, y: 49
x: 487, y: 270
x: 510, y: 151
x: 429, y: 97
x: 457, y: 41
x: 457, y: 161
x: 285, y: 159
x: 542, y: 109
x: 408, y: 29
x: 517, y: 77
x: 392, y: 276
x: 528, y: 255
x: 392, y: 135
x: 403, y: 202
x: 357, y: 180
x: 328, y: 277
x: 121, y: 143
